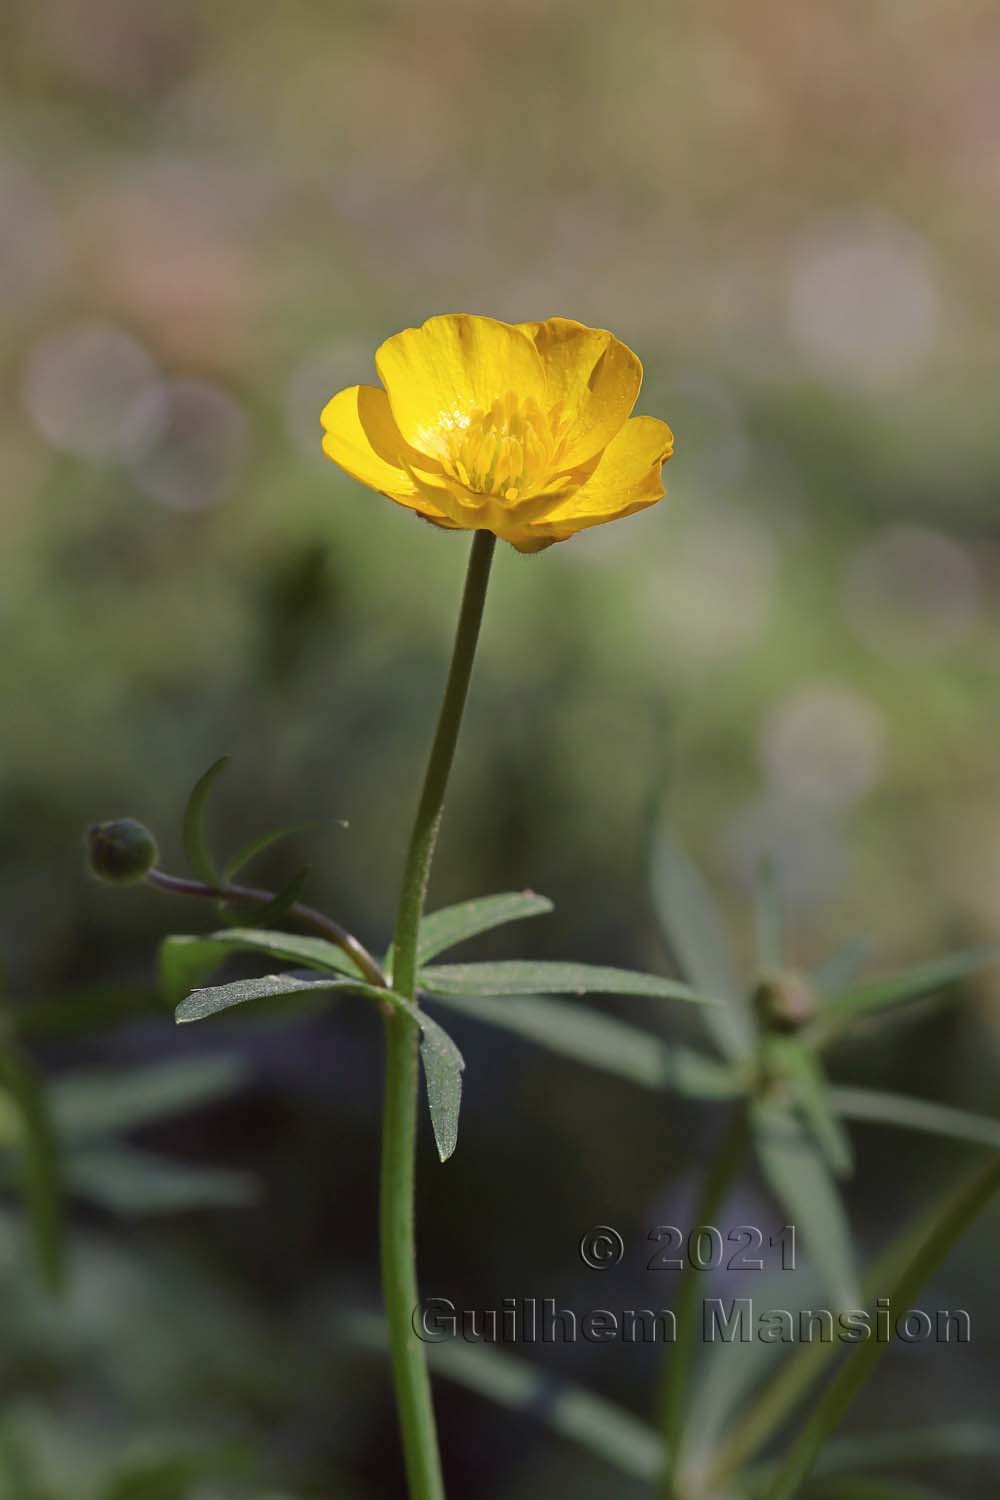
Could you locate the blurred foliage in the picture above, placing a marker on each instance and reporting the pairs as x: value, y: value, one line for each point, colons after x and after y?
x: 209, y: 217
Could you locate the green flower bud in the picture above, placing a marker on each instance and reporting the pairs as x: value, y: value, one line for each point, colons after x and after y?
x: 121, y: 851
x: 784, y: 1001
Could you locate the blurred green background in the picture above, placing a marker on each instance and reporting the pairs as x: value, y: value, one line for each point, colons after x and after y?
x: 209, y: 218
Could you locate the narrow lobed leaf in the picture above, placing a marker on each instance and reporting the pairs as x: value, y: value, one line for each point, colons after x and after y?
x: 910, y: 1446
x: 279, y: 905
x: 533, y: 977
x: 596, y: 1425
x: 599, y: 1041
x: 442, y: 1061
x: 455, y: 924
x: 103, y: 1100
x: 951, y: 1218
x: 127, y: 1181
x: 842, y: 969
x: 693, y: 927
x: 201, y: 1004
x: 257, y: 847
x: 867, y: 1000
x: 312, y: 952
x: 881, y: 1108
x: 797, y: 1174
x: 41, y: 1164
x: 804, y: 1074
x: 186, y: 961
x: 195, y: 844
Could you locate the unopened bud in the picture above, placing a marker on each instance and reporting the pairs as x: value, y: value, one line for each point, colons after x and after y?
x: 784, y: 1001
x: 121, y: 851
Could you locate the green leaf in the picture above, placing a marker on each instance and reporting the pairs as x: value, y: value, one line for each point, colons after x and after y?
x: 843, y: 1009
x: 85, y: 1012
x: 279, y: 905
x: 129, y: 1181
x: 215, y: 999
x: 106, y: 1100
x: 792, y: 1384
x: 19, y: 1470
x: 256, y: 847
x: 442, y: 1061
x: 874, y: 1487
x: 954, y: 1215
x: 916, y: 1114
x: 776, y: 1396
x: 795, y: 1170
x: 947, y: 1441
x: 312, y: 952
x: 186, y: 961
x: 842, y: 968
x: 443, y: 1065
x: 804, y: 1074
x: 195, y: 844
x: 455, y: 924
x: 696, y: 933
x: 598, y: 1426
x: 532, y: 977
x: 167, y: 1479
x: 602, y: 1042
x: 768, y: 917
x: 41, y: 1166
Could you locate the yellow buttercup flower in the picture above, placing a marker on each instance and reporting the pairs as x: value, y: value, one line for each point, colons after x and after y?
x: 522, y: 429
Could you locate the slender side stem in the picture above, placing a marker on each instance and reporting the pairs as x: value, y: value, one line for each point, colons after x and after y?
x: 402, y: 1080
x: 676, y: 1383
x: 247, y: 895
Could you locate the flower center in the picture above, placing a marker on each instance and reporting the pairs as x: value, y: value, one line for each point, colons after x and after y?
x: 509, y: 450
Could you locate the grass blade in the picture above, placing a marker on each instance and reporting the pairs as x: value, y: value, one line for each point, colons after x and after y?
x: 41, y: 1164
x: 675, y: 1396
x: 598, y: 1426
x: 954, y: 1215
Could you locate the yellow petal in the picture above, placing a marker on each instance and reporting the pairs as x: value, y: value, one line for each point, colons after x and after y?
x: 626, y: 479
x: 361, y: 436
x: 450, y: 367
x: 594, y: 376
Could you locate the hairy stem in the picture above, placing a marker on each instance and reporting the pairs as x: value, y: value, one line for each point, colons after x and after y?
x: 399, y: 1119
